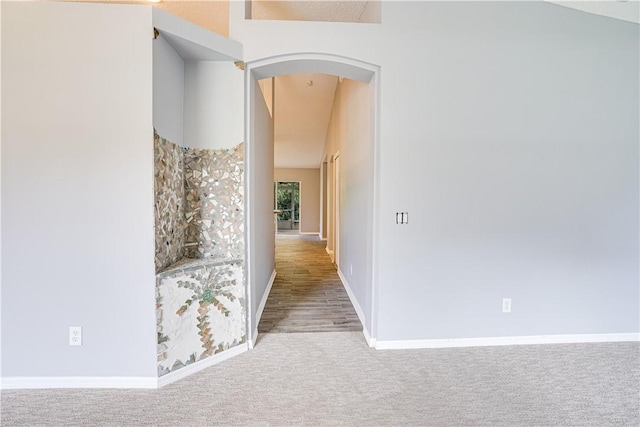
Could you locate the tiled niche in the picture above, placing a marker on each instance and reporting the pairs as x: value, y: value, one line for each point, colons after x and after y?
x: 199, y: 257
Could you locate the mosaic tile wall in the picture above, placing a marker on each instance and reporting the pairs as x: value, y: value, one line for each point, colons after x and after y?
x: 199, y: 225
x: 214, y: 208
x: 169, y: 202
x: 200, y: 311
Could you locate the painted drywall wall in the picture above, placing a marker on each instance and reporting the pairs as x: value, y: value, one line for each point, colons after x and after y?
x: 261, y: 221
x: 349, y: 134
x: 509, y: 132
x: 309, y: 180
x: 168, y: 91
x: 0, y: 185
x: 266, y: 87
x: 213, y: 104
x: 77, y: 190
x: 323, y: 200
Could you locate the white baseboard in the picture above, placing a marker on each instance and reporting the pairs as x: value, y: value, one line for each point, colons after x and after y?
x: 12, y: 383
x: 263, y: 303
x: 371, y: 342
x: 265, y: 297
x: 367, y: 336
x: 352, y: 297
x: 191, y: 369
x: 15, y: 383
x: 311, y: 233
x: 329, y: 251
x: 499, y: 341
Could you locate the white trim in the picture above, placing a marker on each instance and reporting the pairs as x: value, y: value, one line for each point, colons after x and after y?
x: 14, y: 383
x: 375, y: 229
x: 263, y: 303
x: 498, y: 341
x: 265, y: 297
x: 371, y: 342
x: 329, y: 251
x: 352, y: 297
x: 311, y: 233
x: 181, y: 373
x: 10, y: 383
x: 248, y: 206
x: 252, y: 342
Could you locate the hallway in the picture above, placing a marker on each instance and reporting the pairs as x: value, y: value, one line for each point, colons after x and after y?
x: 307, y: 295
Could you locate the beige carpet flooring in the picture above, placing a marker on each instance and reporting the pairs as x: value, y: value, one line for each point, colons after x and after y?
x: 335, y: 379
x: 307, y: 294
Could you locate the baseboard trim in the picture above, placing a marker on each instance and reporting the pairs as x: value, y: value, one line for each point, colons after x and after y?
x: 311, y: 233
x: 499, y: 341
x: 329, y: 251
x: 261, y: 307
x: 371, y: 342
x: 352, y: 297
x: 191, y: 369
x: 15, y: 383
x: 265, y: 297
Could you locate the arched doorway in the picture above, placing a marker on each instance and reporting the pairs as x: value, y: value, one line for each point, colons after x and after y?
x: 259, y: 178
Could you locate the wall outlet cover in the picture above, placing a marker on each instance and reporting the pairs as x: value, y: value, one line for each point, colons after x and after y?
x: 506, y: 305
x: 75, y: 335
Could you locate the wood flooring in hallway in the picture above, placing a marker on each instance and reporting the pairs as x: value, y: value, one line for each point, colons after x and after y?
x: 307, y: 294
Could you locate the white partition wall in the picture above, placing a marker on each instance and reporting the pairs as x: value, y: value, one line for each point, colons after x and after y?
x: 84, y: 86
x: 168, y: 91
x: 261, y: 265
x: 509, y: 132
x: 77, y: 195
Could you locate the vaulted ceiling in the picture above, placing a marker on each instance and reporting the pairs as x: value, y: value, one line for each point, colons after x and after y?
x: 313, y: 10
x: 303, y: 105
x: 302, y: 111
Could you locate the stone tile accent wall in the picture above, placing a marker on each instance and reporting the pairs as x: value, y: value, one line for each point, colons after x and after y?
x: 200, y: 311
x: 214, y: 208
x: 169, y: 202
x: 199, y: 228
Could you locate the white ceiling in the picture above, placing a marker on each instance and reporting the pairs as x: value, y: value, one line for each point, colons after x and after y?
x: 311, y: 10
x: 210, y: 14
x: 301, y: 114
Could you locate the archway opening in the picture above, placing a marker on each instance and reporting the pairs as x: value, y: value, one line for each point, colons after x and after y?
x: 356, y: 184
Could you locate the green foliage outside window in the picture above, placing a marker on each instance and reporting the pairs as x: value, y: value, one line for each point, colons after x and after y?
x: 287, y: 200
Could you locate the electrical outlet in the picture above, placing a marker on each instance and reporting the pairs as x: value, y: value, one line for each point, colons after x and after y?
x: 75, y: 335
x: 506, y: 305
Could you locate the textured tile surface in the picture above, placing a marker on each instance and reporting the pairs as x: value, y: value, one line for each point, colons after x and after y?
x: 168, y: 202
x: 200, y: 311
x: 214, y: 207
x: 199, y: 217
x: 307, y: 295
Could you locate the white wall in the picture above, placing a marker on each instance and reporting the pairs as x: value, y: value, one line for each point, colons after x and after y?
x: 349, y: 133
x: 323, y: 199
x: 213, y: 104
x: 266, y: 87
x: 168, y: 91
x: 509, y: 132
x: 1, y: 173
x: 309, y: 195
x: 261, y: 223
x: 77, y: 190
